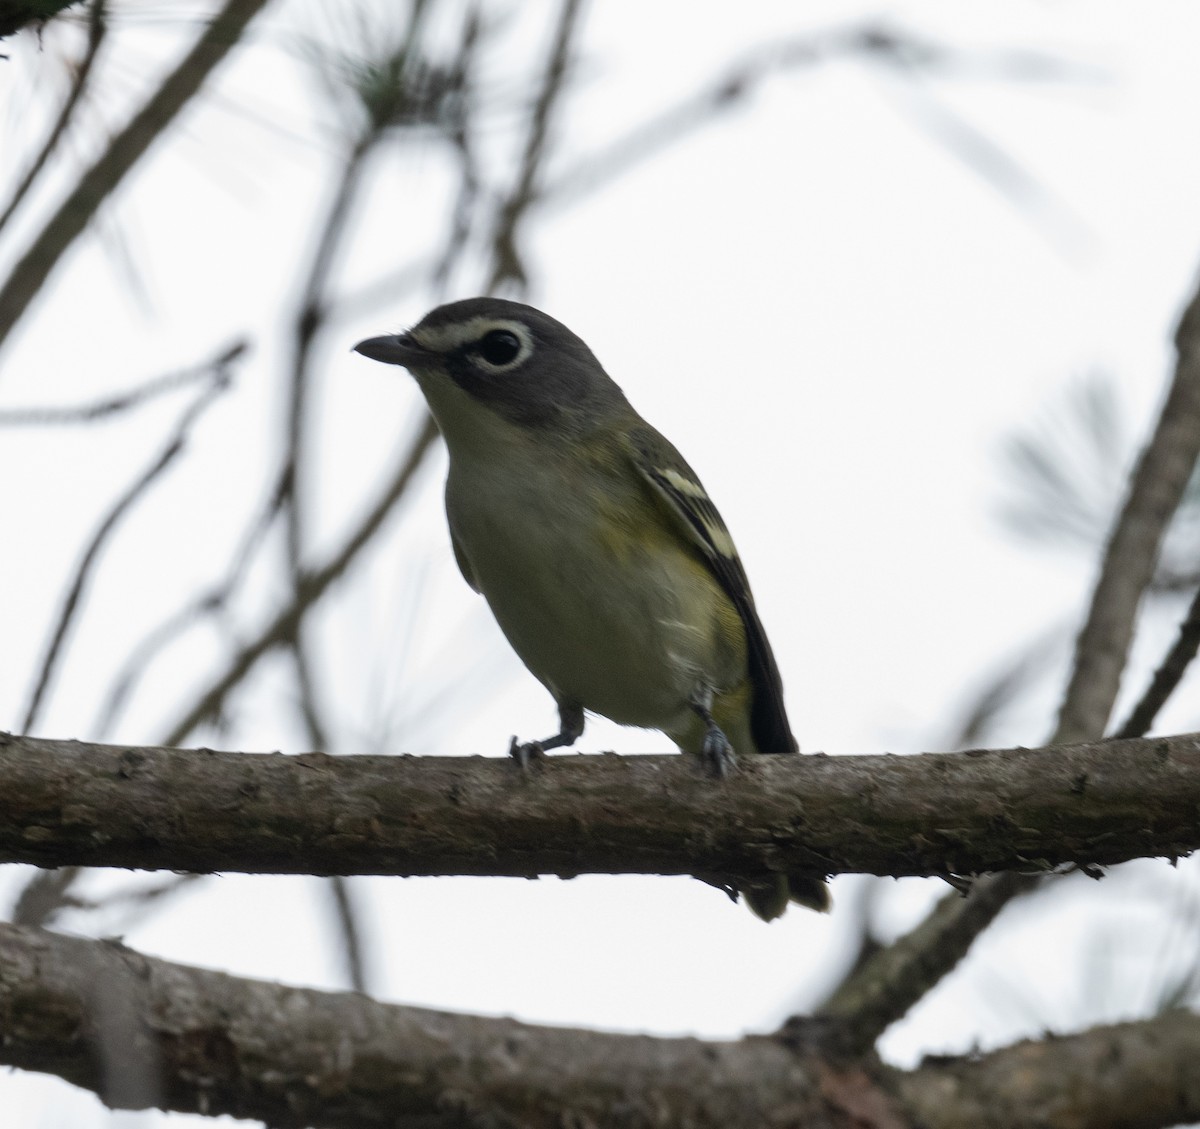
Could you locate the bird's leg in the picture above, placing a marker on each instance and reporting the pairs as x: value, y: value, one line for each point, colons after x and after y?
x: 715, y: 749
x: 570, y: 729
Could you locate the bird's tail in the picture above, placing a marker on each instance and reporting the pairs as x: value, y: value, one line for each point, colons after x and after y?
x: 768, y: 899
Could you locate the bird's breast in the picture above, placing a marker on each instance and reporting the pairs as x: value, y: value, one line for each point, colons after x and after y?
x: 599, y: 596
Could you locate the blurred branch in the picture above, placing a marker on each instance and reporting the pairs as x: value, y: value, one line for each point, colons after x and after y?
x: 44, y: 895
x: 350, y: 931
x: 249, y: 1048
x: 507, y: 265
x: 907, y: 53
x: 990, y: 162
x: 282, y: 627
x: 1168, y: 676
x: 77, y: 803
x: 1069, y: 465
x: 883, y: 989
x: 73, y: 215
x: 1003, y: 690
x: 220, y: 380
x: 1157, y: 485
x: 212, y: 602
x: 470, y: 182
x: 123, y: 401
x: 97, y: 27
x: 1140, y: 1074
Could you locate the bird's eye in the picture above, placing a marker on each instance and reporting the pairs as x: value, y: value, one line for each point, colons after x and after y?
x: 499, y: 347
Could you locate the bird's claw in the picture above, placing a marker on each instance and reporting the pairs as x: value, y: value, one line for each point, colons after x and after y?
x: 718, y: 753
x: 525, y: 752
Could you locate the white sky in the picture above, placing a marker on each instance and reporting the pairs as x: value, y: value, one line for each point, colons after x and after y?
x: 833, y: 317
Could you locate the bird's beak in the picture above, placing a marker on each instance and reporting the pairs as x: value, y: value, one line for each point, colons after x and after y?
x: 393, y: 349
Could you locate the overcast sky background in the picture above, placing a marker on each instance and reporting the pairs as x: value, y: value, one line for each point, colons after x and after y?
x: 834, y: 316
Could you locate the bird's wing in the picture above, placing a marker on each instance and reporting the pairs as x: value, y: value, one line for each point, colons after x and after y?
x: 674, y: 482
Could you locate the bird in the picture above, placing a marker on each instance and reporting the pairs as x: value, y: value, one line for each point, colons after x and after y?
x: 604, y: 561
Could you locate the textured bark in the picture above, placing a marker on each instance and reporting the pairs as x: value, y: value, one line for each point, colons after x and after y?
x: 296, y: 1057
x: 73, y: 803
x: 193, y: 1040
x: 1127, y: 1076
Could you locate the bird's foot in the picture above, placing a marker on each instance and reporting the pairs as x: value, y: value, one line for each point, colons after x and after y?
x: 717, y: 752
x: 525, y: 752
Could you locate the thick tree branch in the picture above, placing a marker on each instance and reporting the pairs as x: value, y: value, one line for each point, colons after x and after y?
x: 74, y: 803
x: 220, y: 1044
x: 1138, y: 1075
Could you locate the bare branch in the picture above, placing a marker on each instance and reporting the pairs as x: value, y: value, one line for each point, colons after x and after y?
x: 94, y: 187
x: 1138, y: 1075
x: 890, y: 981
x: 220, y: 381
x: 350, y: 929
x: 118, y: 402
x: 1168, y: 676
x: 281, y: 628
x: 76, y: 803
x: 507, y: 266
x: 294, y: 1057
x: 888, y: 984
x: 1155, y: 491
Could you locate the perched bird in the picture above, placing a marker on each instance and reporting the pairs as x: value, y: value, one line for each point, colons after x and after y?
x: 604, y: 561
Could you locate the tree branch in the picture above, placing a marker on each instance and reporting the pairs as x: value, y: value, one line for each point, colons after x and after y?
x: 127, y: 148
x: 889, y: 983
x: 1155, y: 491
x: 282, y: 627
x: 1139, y: 1075
x: 75, y: 803
x: 294, y: 1057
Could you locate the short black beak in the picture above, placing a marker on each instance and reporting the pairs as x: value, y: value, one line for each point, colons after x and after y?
x: 392, y: 349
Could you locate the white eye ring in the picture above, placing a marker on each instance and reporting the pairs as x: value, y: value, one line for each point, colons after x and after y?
x: 499, y: 332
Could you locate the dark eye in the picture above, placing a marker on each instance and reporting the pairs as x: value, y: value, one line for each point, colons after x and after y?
x: 500, y: 347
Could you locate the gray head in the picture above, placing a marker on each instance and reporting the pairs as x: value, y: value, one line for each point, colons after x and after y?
x: 507, y: 357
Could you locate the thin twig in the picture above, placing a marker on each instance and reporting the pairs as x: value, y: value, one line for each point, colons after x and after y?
x: 346, y: 915
x: 1168, y: 676
x: 208, y: 603
x: 882, y: 988
x: 507, y: 265
x: 121, y: 401
x: 903, y: 51
x: 98, y: 182
x: 97, y: 27
x: 175, y: 445
x: 282, y: 626
x: 309, y: 319
x: 470, y: 181
x: 1155, y: 491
